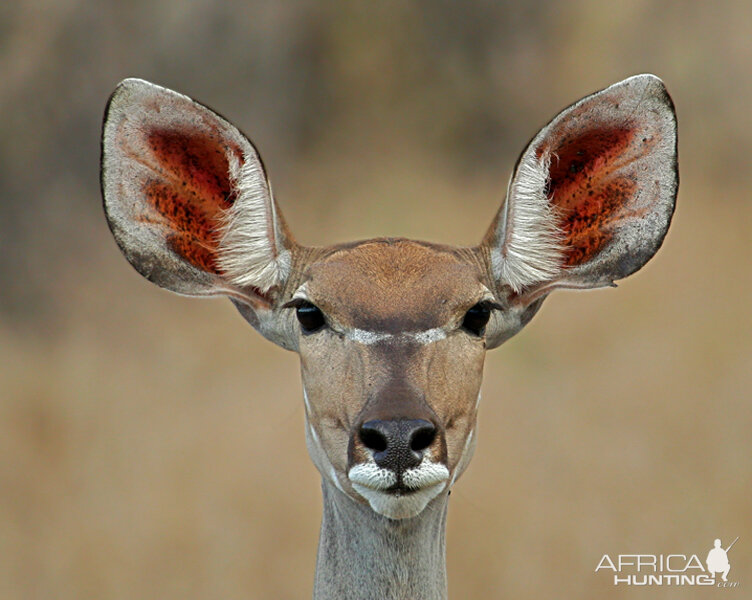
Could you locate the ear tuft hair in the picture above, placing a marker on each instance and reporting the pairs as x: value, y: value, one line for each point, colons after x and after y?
x: 535, y: 248
x: 251, y: 251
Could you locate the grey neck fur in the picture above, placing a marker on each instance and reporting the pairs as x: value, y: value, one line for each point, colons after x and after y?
x: 365, y: 555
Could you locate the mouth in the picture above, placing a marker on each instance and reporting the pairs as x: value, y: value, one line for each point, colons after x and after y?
x: 399, y: 496
x: 400, y: 489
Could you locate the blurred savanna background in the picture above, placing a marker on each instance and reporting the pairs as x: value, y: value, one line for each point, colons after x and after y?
x: 151, y: 446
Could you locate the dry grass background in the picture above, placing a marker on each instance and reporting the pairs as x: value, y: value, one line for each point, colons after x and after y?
x: 152, y: 446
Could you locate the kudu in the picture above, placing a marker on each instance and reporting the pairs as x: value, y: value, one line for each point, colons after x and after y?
x: 391, y: 332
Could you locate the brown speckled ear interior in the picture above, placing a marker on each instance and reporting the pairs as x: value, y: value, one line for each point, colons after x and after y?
x: 611, y: 184
x: 588, y: 189
x: 167, y: 180
x: 189, y: 190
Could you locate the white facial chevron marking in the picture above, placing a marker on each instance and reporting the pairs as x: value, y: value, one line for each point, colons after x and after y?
x: 363, y: 336
x: 368, y: 338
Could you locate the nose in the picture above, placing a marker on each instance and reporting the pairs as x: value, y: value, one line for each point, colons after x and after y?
x: 397, y: 444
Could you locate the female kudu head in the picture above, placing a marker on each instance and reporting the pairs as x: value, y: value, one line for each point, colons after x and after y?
x: 391, y: 333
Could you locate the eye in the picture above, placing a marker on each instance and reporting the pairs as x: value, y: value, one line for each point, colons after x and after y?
x: 476, y: 318
x: 310, y: 317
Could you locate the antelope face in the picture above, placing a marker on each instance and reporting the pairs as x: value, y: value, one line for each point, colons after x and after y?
x: 391, y: 333
x: 392, y: 342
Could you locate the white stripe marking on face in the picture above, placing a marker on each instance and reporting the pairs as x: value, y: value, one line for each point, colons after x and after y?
x: 464, y: 458
x: 305, y: 400
x: 318, y: 449
x: 368, y: 338
x: 429, y: 336
x: 363, y: 336
x: 334, y: 477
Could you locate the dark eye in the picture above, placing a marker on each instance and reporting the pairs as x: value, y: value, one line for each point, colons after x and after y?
x: 310, y: 317
x: 476, y: 318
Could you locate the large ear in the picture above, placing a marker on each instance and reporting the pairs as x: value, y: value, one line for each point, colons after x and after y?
x: 592, y: 195
x: 187, y: 198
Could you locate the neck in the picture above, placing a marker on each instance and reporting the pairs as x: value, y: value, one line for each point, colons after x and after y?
x: 365, y: 555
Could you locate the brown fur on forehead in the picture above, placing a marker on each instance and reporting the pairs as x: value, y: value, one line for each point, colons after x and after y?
x: 394, y: 285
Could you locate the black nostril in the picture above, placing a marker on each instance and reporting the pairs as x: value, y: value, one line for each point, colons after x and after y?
x: 422, y: 437
x: 397, y: 444
x: 373, y: 437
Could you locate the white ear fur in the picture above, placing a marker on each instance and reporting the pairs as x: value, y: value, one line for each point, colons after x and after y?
x: 534, y: 242
x: 251, y: 247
